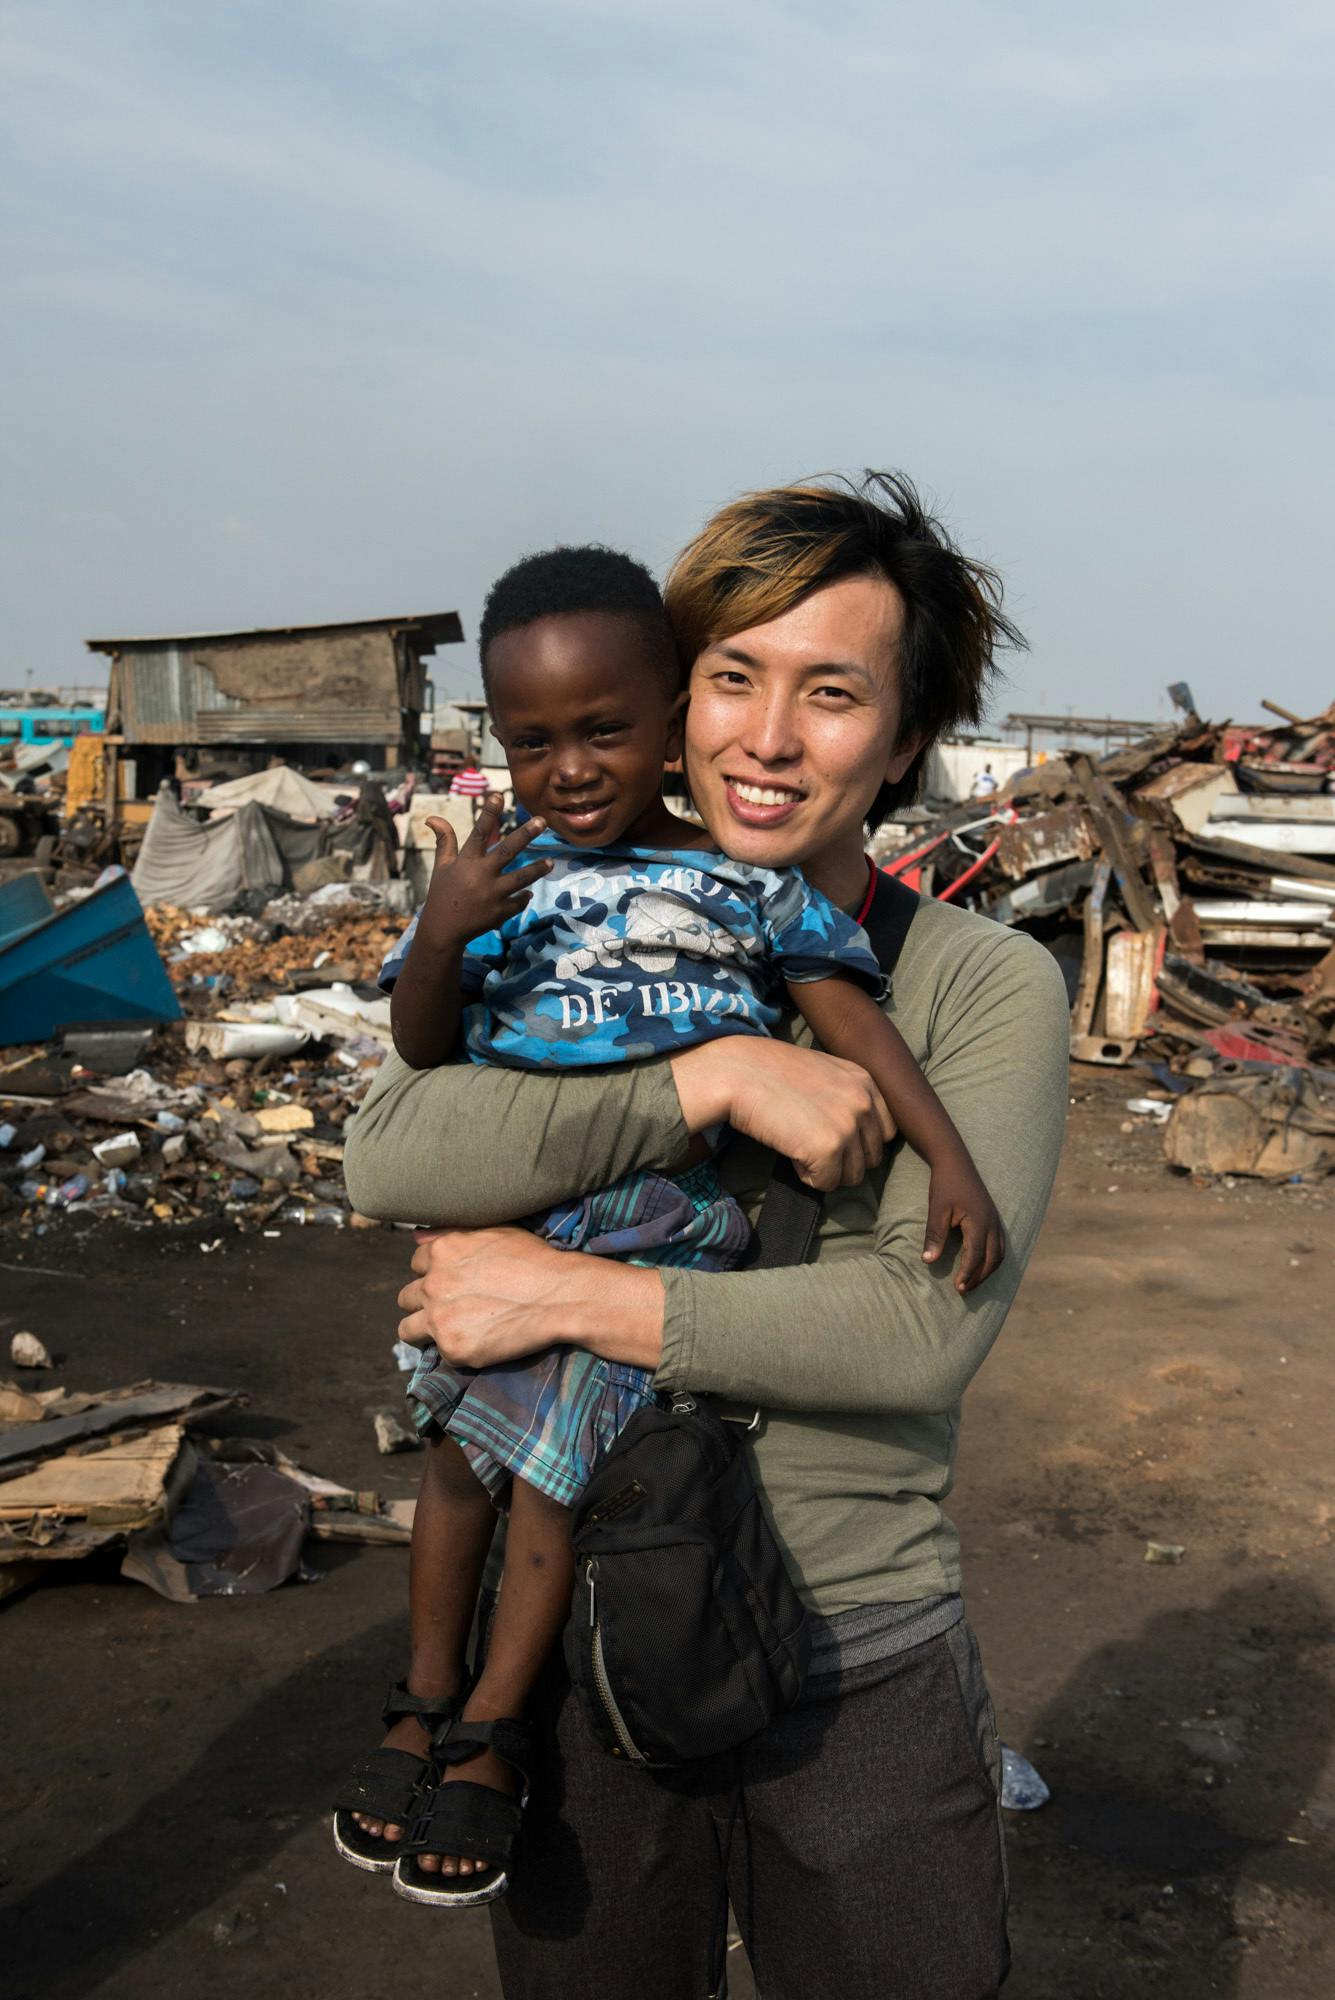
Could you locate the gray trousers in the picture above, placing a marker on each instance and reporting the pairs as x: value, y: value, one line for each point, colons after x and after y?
x: 866, y: 1858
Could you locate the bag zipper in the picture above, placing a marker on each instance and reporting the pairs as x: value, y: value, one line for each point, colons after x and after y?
x: 600, y: 1680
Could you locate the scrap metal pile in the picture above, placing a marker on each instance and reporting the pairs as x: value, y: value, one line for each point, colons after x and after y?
x: 1187, y: 885
x: 232, y: 1109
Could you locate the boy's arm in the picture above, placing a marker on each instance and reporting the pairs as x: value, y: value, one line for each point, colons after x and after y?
x: 426, y: 1005
x: 881, y: 1330
x: 470, y: 893
x: 847, y: 1022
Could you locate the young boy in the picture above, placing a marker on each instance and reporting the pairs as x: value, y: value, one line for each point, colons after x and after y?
x: 624, y: 933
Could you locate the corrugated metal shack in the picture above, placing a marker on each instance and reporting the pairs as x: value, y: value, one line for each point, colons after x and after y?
x: 308, y: 692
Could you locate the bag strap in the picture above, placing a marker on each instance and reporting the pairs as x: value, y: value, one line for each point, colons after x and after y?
x: 790, y: 1213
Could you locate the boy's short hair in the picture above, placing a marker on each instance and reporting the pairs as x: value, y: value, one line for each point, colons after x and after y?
x: 767, y: 551
x: 563, y: 580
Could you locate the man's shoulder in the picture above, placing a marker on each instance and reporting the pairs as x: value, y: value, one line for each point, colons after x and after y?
x: 949, y: 946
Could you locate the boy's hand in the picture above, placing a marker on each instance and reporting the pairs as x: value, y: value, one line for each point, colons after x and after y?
x: 468, y: 893
x: 957, y: 1199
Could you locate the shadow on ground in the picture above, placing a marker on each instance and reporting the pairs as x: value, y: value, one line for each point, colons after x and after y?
x: 1188, y: 1825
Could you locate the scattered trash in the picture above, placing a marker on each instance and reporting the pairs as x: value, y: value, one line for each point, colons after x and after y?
x: 121, y: 1150
x: 1164, y: 1552
x: 1022, y: 1790
x: 228, y: 1040
x: 27, y: 1351
x: 197, y: 1516
x: 1150, y: 1107
x: 391, y: 1435
x: 285, y: 1118
x: 1274, y: 1124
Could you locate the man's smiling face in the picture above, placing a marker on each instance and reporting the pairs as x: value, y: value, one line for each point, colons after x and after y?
x: 794, y: 725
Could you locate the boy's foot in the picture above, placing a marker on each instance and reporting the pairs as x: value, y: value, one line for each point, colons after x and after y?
x: 486, y: 1768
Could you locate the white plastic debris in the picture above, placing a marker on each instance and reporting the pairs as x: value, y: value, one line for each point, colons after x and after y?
x: 391, y: 1436
x: 224, y: 1040
x: 1150, y: 1107
x: 27, y: 1351
x: 336, y: 1013
x: 122, y: 1149
x: 210, y: 937
x: 1022, y: 1790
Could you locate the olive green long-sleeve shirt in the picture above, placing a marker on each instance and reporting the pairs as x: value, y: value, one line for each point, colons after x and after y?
x: 857, y: 1362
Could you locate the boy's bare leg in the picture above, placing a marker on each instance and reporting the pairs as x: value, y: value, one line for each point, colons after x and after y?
x: 452, y: 1528
x: 530, y: 1615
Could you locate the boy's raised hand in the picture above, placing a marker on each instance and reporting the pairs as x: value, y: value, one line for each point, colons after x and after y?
x: 468, y: 892
x: 957, y: 1199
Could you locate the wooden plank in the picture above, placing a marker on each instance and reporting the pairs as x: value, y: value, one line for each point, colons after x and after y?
x: 122, y: 1479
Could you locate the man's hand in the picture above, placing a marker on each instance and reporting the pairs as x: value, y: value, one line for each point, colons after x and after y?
x: 491, y: 1295
x: 468, y: 892
x: 825, y: 1114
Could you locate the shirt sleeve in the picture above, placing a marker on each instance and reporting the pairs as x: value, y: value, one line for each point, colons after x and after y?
x: 872, y: 1329
x: 468, y: 1146
x: 397, y: 957
x: 809, y: 938
x: 481, y: 956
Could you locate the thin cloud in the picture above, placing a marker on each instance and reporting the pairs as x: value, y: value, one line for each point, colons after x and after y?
x: 404, y: 290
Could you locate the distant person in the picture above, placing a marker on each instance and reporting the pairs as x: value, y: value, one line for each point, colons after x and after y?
x: 469, y: 784
x: 984, y: 785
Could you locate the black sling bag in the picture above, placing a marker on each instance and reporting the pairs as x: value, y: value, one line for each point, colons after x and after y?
x: 686, y: 1634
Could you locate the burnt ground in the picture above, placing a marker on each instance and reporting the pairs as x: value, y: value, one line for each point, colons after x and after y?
x: 1164, y: 1376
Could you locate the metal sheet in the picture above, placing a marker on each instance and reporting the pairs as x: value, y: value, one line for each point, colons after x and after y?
x: 1214, y: 911
x: 1045, y: 840
x: 1277, y: 836
x: 286, y: 725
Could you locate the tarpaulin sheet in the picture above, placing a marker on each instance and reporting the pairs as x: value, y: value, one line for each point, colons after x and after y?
x: 207, y: 867
x: 282, y: 788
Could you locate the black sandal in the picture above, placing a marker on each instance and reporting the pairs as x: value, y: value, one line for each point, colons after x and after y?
x: 389, y: 1785
x: 466, y: 1819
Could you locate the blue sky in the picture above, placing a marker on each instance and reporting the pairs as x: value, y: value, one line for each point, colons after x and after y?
x: 326, y: 310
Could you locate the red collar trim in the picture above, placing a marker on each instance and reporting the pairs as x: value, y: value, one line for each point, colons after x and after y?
x: 861, y: 917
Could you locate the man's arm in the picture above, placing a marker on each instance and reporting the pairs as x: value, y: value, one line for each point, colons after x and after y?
x: 881, y: 1330
x: 469, y: 1147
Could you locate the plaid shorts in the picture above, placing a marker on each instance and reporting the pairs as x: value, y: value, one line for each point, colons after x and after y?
x: 550, y: 1417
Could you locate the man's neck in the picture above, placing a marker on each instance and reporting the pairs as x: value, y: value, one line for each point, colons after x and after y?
x: 840, y: 872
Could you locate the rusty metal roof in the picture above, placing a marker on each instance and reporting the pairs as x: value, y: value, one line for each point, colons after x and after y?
x: 437, y: 628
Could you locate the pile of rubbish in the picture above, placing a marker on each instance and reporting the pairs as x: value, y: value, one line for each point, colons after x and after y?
x: 1186, y: 884
x: 195, y: 1516
x: 226, y: 1094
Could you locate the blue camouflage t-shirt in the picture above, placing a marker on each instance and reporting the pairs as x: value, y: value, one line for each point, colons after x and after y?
x: 627, y: 952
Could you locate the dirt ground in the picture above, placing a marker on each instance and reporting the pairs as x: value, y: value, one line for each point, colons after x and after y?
x: 1164, y: 1376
